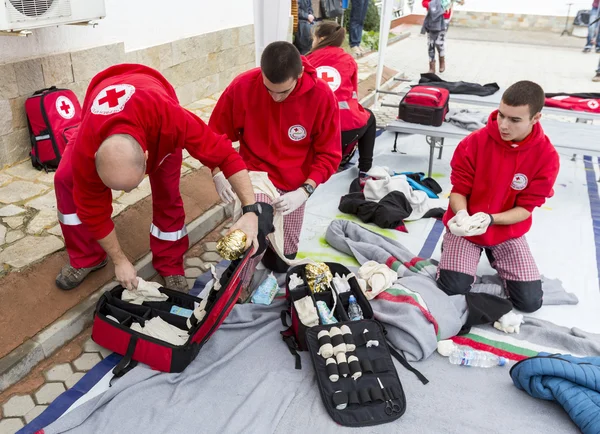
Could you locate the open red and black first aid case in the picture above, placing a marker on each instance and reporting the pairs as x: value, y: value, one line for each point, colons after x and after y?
x: 357, y: 379
x: 114, y: 317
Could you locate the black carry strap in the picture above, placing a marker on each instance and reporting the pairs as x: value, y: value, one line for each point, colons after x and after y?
x: 406, y: 365
x: 288, y: 337
x: 126, y: 364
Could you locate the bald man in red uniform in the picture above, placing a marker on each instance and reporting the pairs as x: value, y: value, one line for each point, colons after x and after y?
x: 133, y: 125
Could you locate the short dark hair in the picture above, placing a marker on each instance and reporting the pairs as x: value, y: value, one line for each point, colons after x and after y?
x: 525, y: 93
x: 281, y: 61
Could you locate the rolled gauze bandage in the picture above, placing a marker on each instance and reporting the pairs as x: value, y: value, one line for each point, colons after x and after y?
x: 348, y: 339
x: 325, y: 347
x: 343, y: 368
x: 337, y: 341
x: 354, y: 367
x: 332, y: 370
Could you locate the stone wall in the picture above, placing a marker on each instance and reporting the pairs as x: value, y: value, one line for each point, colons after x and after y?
x: 197, y: 67
x: 496, y: 20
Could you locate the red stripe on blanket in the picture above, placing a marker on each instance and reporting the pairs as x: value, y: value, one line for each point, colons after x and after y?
x: 408, y: 299
x: 459, y: 340
x: 390, y: 261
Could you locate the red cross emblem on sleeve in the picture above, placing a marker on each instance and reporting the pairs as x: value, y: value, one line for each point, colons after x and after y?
x: 112, y: 99
x: 331, y: 76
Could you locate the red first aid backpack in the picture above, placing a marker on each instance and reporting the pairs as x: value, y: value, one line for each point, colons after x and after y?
x: 113, y: 318
x: 425, y: 105
x: 51, y: 113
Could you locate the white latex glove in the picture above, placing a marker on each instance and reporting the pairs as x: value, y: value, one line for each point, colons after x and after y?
x: 510, y: 322
x: 456, y: 223
x: 224, y: 188
x: 478, y: 224
x: 291, y: 201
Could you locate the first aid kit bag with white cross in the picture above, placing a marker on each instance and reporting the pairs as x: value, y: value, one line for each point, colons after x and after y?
x: 51, y: 114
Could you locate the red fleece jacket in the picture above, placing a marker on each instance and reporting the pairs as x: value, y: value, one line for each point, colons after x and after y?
x: 293, y: 140
x: 340, y: 71
x: 496, y: 176
x: 139, y: 101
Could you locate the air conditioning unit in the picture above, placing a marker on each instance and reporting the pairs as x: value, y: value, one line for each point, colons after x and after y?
x: 19, y: 15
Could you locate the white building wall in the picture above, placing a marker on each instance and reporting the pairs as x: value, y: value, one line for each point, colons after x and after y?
x: 138, y: 23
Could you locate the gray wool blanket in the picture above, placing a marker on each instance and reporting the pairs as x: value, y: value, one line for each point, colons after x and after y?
x: 244, y: 381
x: 364, y: 245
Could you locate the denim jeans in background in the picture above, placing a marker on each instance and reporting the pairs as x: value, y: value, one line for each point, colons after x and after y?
x: 592, y: 29
x: 357, y: 19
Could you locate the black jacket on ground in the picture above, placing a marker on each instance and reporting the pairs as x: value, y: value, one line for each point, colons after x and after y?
x: 388, y: 213
x: 459, y: 87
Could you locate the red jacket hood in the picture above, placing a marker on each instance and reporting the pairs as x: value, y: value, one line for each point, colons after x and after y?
x: 536, y: 137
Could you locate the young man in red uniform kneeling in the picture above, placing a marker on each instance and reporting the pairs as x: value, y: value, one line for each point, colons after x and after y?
x: 500, y: 174
x: 133, y: 125
x: 288, y: 124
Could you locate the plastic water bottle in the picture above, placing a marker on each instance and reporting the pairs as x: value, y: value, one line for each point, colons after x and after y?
x: 354, y: 311
x: 467, y: 357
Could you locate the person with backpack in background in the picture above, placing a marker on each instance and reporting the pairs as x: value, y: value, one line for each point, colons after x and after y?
x: 593, y: 37
x: 436, y: 24
x: 340, y: 71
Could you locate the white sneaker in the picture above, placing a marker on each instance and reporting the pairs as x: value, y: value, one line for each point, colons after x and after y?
x: 363, y: 50
x: 356, y: 51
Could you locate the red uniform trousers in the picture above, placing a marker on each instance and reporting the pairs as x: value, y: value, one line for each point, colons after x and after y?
x: 168, y: 234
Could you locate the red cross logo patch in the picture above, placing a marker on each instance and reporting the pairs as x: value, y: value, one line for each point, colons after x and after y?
x: 112, y: 99
x: 331, y: 76
x: 65, y: 107
x: 297, y: 133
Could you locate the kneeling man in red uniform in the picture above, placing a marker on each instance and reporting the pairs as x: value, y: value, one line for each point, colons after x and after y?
x: 500, y: 174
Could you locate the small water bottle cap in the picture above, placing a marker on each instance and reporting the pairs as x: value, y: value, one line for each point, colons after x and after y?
x: 352, y: 299
x: 501, y: 361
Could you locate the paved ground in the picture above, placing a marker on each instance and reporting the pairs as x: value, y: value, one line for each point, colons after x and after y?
x: 472, y: 56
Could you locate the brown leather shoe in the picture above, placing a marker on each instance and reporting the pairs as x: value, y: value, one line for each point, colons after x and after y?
x: 70, y: 277
x: 442, y: 64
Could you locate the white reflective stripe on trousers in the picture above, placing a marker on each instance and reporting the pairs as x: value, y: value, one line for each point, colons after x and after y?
x: 344, y: 105
x: 68, y: 219
x: 168, y: 236
x: 354, y: 95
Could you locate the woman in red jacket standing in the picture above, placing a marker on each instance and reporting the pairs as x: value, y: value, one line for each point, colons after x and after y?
x: 340, y: 71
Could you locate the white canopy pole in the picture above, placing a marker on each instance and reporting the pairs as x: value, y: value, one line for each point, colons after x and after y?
x: 384, y: 30
x: 271, y: 23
